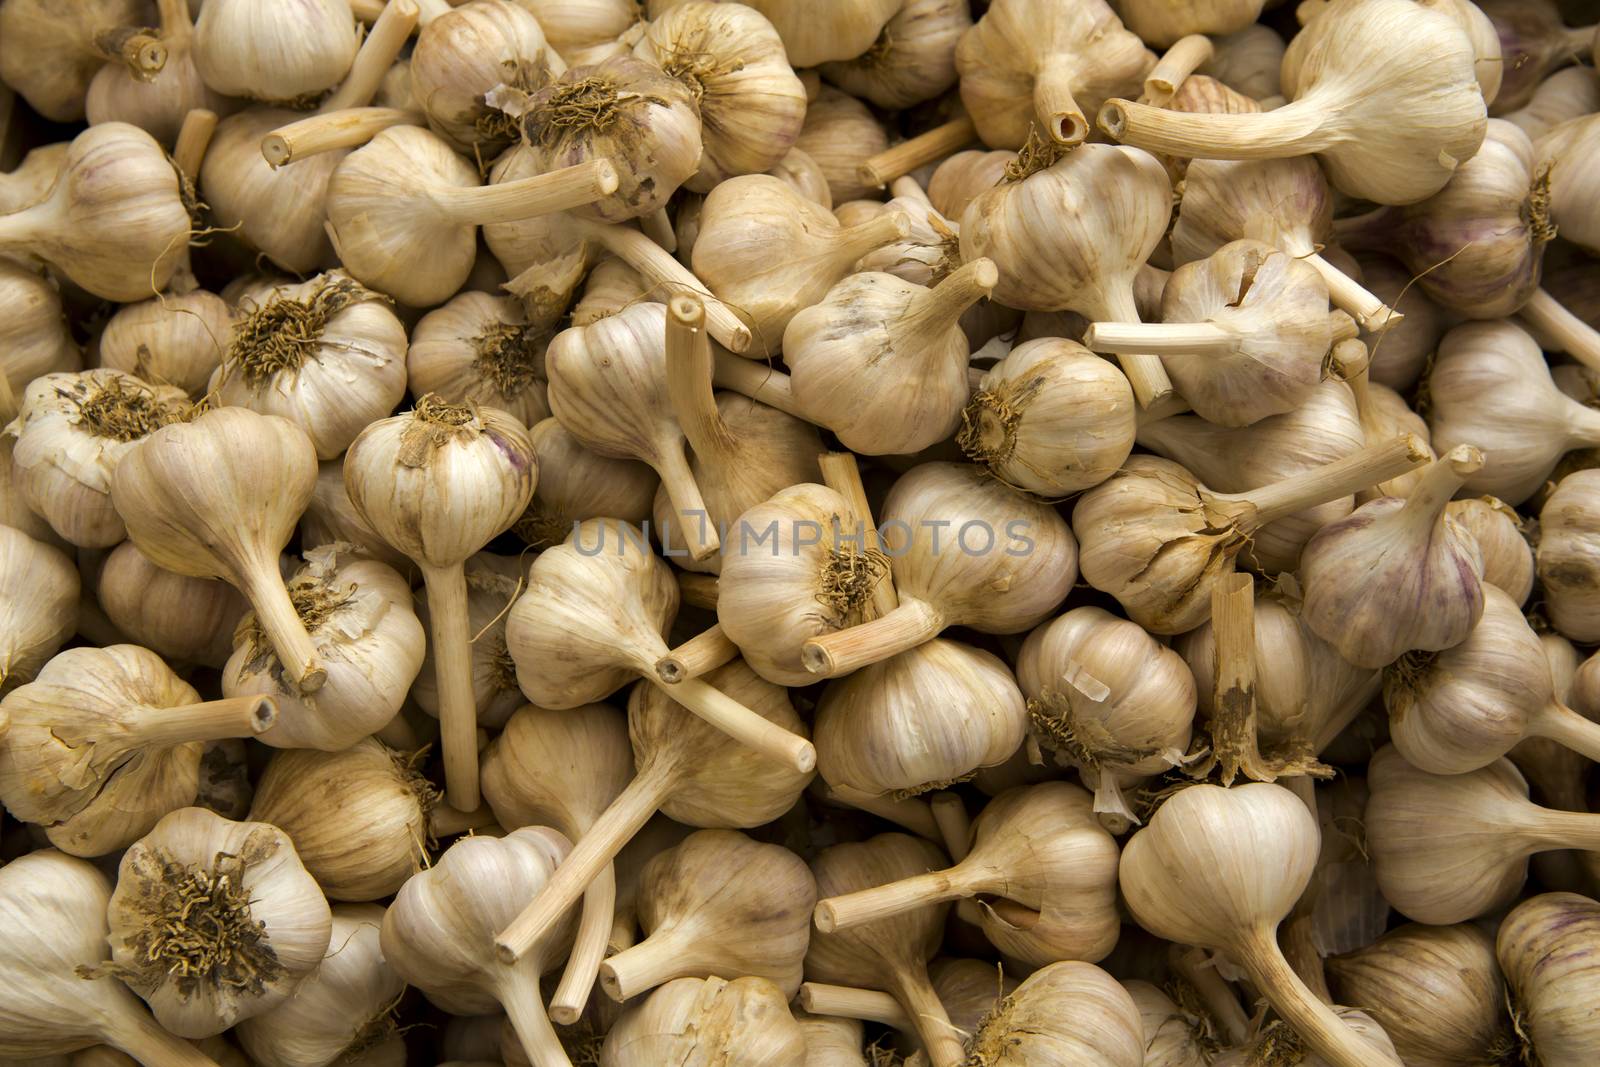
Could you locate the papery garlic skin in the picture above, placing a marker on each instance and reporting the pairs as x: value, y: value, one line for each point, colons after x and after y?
x: 156, y: 104
x: 52, y: 53
x: 339, y: 1007
x: 1569, y: 556
x: 1068, y: 1012
x: 1508, y: 560
x: 1163, y: 22
x: 358, y: 613
x: 33, y: 333
x: 817, y: 32
x: 1171, y: 1037
x: 328, y: 355
x: 271, y: 908
x: 840, y: 134
x: 480, y: 347
x: 281, y: 212
x: 912, y: 60
x: 174, y: 339
x: 39, y: 589
x: 702, y: 1022
x: 959, y: 180
x: 263, y: 51
x: 71, y: 431
x: 1547, y: 947
x: 331, y: 518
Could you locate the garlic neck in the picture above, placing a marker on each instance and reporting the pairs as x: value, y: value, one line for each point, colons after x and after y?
x: 856, y: 241
x: 931, y: 315
x: 1364, y: 469
x: 1439, y: 483
x: 1545, y: 829
x: 1296, y: 129
x: 177, y: 26
x: 690, y: 372
x: 1054, y: 107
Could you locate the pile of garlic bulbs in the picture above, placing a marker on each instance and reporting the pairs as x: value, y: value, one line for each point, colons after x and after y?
x: 799, y: 533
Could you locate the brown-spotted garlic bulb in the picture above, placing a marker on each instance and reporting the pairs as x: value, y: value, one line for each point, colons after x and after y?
x: 1397, y: 574
x: 1056, y: 252
x: 1568, y: 560
x: 156, y: 103
x: 482, y: 348
x: 1043, y: 865
x: 464, y: 56
x: 744, y: 218
x: 214, y: 921
x: 1490, y: 386
x: 919, y: 721
x: 913, y: 59
x: 1327, y: 427
x: 840, y: 134
x: 185, y: 620
x: 1048, y: 64
x: 367, y: 637
x: 1508, y: 560
x: 700, y: 1022
x: 883, y: 362
x: 1221, y: 868
x: 492, y: 584
x: 219, y: 497
x: 71, y: 432
x: 1436, y: 991
x: 176, y: 339
x: 39, y: 589
x: 266, y: 52
x: 1546, y: 947
x: 438, y: 934
x: 1157, y: 540
x: 327, y: 354
x: 1107, y: 698
x: 719, y: 905
x: 578, y: 483
x: 342, y: 1012
x: 890, y: 955
x: 113, y: 222
x: 1334, y: 73
x: 358, y: 817
x: 733, y: 63
x: 34, y: 339
x: 105, y: 742
x: 1243, y: 333
x: 52, y: 928
x: 439, y: 483
x: 1050, y: 418
x: 1067, y: 1012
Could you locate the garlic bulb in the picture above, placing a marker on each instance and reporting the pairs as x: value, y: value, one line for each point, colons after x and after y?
x: 438, y: 934
x: 577, y: 483
x: 958, y: 180
x: 1544, y: 945
x: 53, y: 51
x: 913, y: 58
x: 343, y: 1007
x: 71, y: 432
x: 325, y: 354
x: 33, y: 334
x: 718, y: 905
x: 481, y: 348
x: 175, y: 339
x: 883, y: 362
x: 1279, y: 1040
x: 1490, y: 387
x: 1324, y: 429
x: 1163, y: 22
x: 1569, y: 150
x: 105, y: 742
x: 822, y: 30
x: 54, y: 912
x: 1283, y: 202
x: 918, y: 721
x: 14, y: 509
x: 1340, y: 75
x: 38, y: 605
x: 331, y: 518
x: 1567, y: 529
x: 831, y: 1041
x: 744, y: 218
x: 688, y: 769
x: 358, y: 817
x: 928, y: 254
x: 1450, y: 848
x: 1566, y: 94
x: 1050, y: 418
x: 218, y: 498
x: 1171, y: 1033
x: 280, y: 212
x: 891, y: 954
x: 243, y: 48
x: 576, y: 29
x: 1153, y: 512
x: 1435, y: 990
x: 156, y: 103
x: 733, y: 63
x: 462, y: 59
x: 113, y: 222
x: 1398, y: 574
x: 697, y: 1023
x: 1033, y: 849
x: 1055, y: 253
x: 28, y: 181
x: 1028, y: 62
x: 840, y: 135
x: 1534, y: 42
x: 439, y: 483
x: 1108, y: 699
x: 1243, y: 333
x: 1221, y: 868
x: 214, y: 921
x: 1068, y: 1012
x: 492, y: 584
x: 359, y: 616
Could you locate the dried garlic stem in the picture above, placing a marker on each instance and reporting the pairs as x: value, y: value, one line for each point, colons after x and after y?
x: 705, y: 651
x: 452, y: 656
x: 908, y: 155
x: 847, y: 1002
x: 1185, y: 57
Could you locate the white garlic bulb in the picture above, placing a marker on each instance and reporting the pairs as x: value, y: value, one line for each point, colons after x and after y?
x: 272, y: 52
